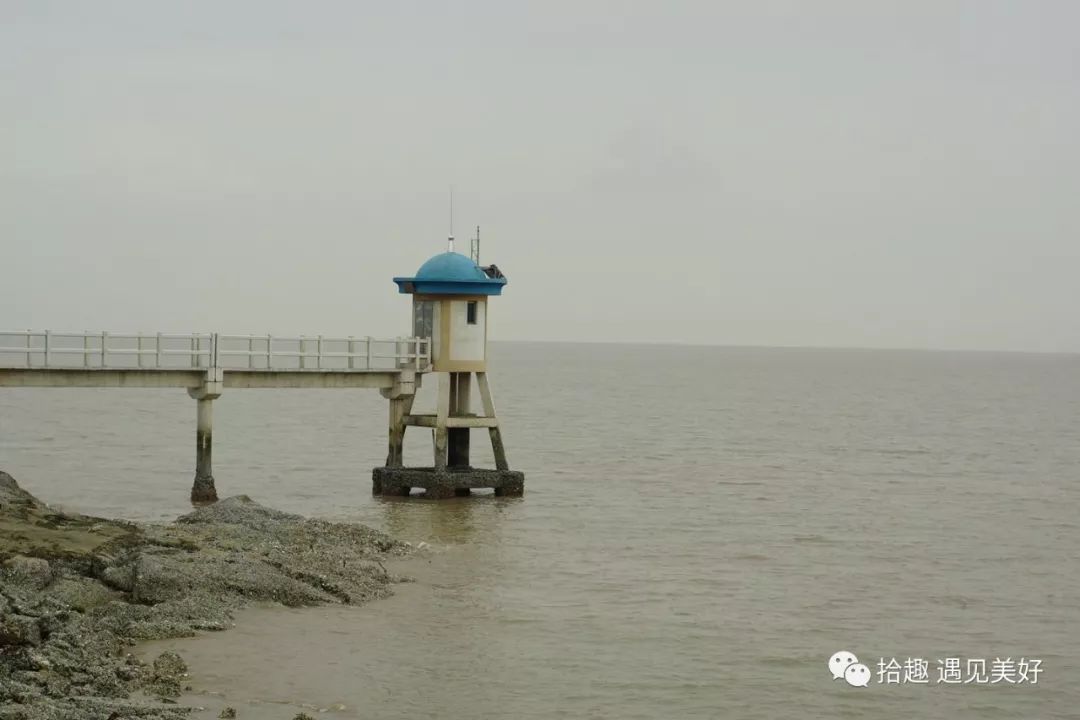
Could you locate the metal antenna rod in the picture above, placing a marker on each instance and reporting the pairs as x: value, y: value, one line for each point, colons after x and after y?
x: 450, y: 242
x: 475, y: 250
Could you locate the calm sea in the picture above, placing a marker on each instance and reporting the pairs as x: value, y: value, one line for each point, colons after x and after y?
x: 703, y: 528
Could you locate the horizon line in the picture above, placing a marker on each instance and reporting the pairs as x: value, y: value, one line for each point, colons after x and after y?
x: 737, y: 346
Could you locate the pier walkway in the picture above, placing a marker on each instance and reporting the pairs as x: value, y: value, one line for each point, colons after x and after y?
x: 206, y: 364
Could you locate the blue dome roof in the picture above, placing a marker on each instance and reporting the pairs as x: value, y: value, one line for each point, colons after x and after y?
x: 452, y: 267
x: 451, y: 273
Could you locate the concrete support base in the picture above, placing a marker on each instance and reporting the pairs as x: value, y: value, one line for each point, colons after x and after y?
x: 451, y: 474
x: 203, y: 490
x: 445, y: 483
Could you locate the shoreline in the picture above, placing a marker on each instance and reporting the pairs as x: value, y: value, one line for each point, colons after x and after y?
x: 267, y: 664
x: 79, y: 593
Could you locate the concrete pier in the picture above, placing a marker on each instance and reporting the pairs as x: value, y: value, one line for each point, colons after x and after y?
x: 451, y: 474
x: 203, y: 490
x: 206, y: 364
x: 450, y: 341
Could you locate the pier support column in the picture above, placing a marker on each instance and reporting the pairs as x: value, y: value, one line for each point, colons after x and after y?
x: 458, y: 438
x: 401, y: 397
x: 442, y: 414
x: 203, y: 489
x: 399, y: 408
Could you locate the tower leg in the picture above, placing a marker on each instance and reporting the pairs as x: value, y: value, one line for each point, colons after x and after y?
x: 497, y: 447
x: 452, y: 474
x: 399, y: 408
x: 458, y: 438
x: 442, y: 413
x: 203, y: 490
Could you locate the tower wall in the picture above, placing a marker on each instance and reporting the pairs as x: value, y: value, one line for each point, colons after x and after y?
x: 468, y: 340
x: 457, y: 345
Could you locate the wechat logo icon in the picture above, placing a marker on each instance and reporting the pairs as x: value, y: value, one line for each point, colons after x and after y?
x: 846, y: 665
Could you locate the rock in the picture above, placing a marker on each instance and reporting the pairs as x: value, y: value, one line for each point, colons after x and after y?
x: 228, y: 713
x: 38, y: 660
x: 169, y: 664
x: 77, y: 592
x: 165, y: 688
x: 29, y: 527
x: 30, y: 572
x: 239, y: 510
x: 19, y: 630
x: 15, y: 500
x: 82, y: 593
x: 117, y: 573
x: 155, y: 581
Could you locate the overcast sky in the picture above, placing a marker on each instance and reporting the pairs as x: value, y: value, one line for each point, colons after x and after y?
x: 874, y: 174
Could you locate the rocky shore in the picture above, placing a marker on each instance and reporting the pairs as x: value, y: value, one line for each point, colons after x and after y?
x: 77, y: 592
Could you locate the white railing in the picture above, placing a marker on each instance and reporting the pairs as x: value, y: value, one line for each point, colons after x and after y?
x: 173, y: 351
x: 321, y: 352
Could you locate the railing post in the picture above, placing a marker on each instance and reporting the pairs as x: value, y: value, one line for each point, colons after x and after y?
x: 318, y: 353
x: 194, y: 347
x: 303, y: 349
x: 269, y: 342
x: 352, y: 351
x: 157, y: 351
x: 138, y: 349
x: 86, y: 348
x: 27, y: 348
x: 46, y: 348
x: 251, y: 351
x: 368, y: 352
x: 104, y: 342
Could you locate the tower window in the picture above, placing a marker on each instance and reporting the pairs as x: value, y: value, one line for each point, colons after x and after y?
x: 470, y: 313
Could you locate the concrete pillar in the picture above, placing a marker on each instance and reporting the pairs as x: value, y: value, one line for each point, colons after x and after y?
x: 401, y: 397
x: 441, y: 415
x: 203, y: 489
x: 399, y: 408
x: 458, y: 438
x: 457, y: 451
x: 497, y: 447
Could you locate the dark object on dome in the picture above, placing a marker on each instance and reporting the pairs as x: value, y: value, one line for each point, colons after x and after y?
x: 493, y: 271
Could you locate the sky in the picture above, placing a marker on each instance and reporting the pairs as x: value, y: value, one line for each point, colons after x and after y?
x: 826, y: 174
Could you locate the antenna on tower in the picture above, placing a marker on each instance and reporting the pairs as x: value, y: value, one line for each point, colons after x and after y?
x: 450, y: 240
x: 474, y: 248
